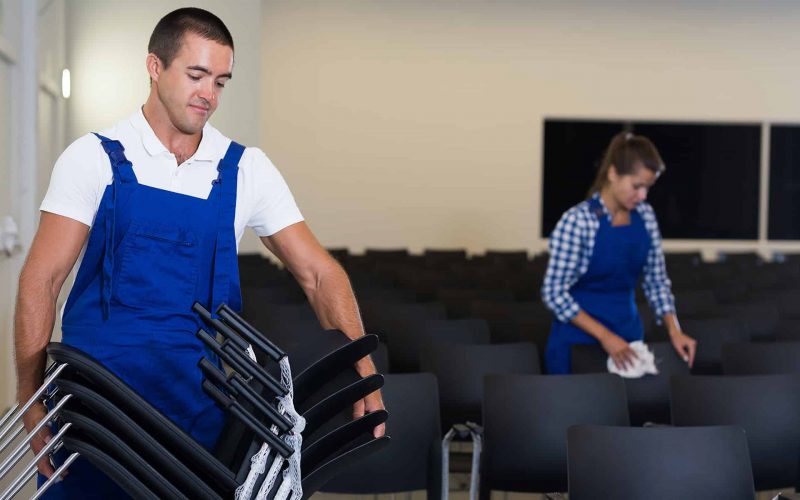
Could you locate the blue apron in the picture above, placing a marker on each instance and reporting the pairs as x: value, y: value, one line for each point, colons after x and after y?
x: 606, y: 291
x: 151, y: 254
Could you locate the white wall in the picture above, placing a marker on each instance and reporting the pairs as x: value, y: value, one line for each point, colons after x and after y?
x: 419, y: 123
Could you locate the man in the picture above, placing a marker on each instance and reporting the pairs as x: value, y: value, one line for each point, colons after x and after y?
x: 155, y: 207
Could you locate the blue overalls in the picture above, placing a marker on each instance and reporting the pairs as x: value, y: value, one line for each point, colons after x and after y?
x: 606, y: 291
x: 151, y: 254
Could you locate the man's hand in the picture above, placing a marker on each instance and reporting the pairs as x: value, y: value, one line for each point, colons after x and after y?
x: 369, y: 404
x: 32, y: 417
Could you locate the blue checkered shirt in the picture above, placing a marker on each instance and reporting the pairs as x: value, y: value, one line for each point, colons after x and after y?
x: 571, y: 245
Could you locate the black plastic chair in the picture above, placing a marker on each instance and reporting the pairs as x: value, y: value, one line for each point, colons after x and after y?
x: 410, y: 337
x: 457, y: 300
x: 760, y: 318
x: 117, y: 472
x: 460, y: 370
x: 456, y: 331
x: 525, y: 422
x: 788, y: 330
x: 388, y: 319
x: 412, y: 462
x: 254, y: 298
x: 648, y: 397
x: 384, y: 294
x: 766, y: 406
x: 695, y: 303
x: 381, y: 358
x: 515, y: 321
x: 658, y: 463
x: 761, y: 358
x: 711, y: 334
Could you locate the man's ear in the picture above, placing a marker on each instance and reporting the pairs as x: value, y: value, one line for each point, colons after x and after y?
x: 154, y: 66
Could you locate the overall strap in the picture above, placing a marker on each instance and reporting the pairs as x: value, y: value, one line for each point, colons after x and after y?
x: 122, y: 171
x: 596, y: 208
x: 225, y: 285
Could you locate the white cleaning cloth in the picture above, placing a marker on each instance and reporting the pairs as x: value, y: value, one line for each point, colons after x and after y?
x: 644, y: 364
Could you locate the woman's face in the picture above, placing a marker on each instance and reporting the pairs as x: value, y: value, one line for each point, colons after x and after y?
x: 630, y: 190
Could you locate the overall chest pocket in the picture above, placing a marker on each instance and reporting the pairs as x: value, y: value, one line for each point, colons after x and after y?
x: 157, y: 267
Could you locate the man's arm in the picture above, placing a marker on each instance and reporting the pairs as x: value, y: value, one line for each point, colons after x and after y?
x: 55, y: 249
x: 328, y: 290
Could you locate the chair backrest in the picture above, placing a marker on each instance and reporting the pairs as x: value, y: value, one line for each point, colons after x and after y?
x: 526, y: 419
x: 266, y: 296
x: 760, y: 318
x: 412, y: 460
x: 120, y: 474
x: 385, y: 254
x: 385, y: 294
x: 185, y: 476
x: 386, y: 318
x: 456, y: 331
x: 711, y: 334
x: 692, y: 303
x: 648, y: 397
x: 87, y: 371
x: 761, y: 358
x: 410, y: 337
x: 86, y: 429
x: 766, y: 406
x: 381, y: 358
x: 658, y: 463
x: 788, y: 330
x: 460, y: 370
x: 786, y: 301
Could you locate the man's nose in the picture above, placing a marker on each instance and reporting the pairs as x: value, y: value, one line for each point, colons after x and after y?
x: 207, y: 92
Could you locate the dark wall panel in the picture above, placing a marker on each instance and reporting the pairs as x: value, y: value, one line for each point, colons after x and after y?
x: 784, y: 183
x: 709, y: 191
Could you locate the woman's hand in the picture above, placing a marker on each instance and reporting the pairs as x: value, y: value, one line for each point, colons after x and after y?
x: 619, y: 350
x: 684, y: 345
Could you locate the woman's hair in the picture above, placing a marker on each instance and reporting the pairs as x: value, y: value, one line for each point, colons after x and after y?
x: 626, y: 153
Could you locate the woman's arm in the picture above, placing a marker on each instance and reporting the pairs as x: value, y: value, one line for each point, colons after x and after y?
x: 658, y: 290
x: 685, y: 345
x: 613, y: 344
x: 569, y: 245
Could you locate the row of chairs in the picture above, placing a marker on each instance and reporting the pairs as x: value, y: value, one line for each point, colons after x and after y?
x: 530, y: 445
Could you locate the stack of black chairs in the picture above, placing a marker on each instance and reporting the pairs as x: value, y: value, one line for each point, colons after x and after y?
x: 102, y: 419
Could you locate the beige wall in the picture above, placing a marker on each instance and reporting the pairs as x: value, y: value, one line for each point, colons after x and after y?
x: 419, y: 123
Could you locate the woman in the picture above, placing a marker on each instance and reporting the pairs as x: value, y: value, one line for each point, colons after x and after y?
x: 598, y: 251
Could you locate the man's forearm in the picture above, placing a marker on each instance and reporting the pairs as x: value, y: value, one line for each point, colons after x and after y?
x: 334, y: 302
x: 33, y: 326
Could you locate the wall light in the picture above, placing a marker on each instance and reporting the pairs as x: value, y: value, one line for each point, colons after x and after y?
x: 66, y: 85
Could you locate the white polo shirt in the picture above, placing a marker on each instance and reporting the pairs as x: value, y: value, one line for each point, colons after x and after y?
x: 82, y: 172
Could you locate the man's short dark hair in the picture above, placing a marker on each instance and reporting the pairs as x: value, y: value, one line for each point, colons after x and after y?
x: 165, y: 42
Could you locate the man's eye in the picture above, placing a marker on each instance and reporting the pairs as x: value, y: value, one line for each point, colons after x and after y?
x: 195, y: 78
x: 220, y: 85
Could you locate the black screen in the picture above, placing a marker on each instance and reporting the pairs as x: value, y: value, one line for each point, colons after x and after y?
x: 710, y: 188
x: 784, y: 182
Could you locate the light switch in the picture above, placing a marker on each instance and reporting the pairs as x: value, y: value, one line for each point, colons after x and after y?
x: 9, y: 235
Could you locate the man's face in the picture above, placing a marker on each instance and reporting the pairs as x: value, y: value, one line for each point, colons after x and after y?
x: 190, y: 88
